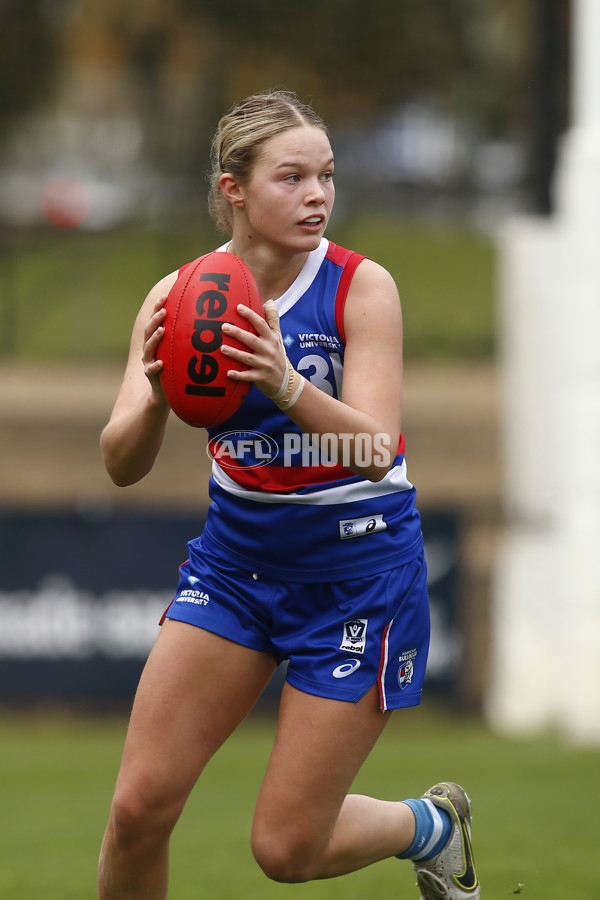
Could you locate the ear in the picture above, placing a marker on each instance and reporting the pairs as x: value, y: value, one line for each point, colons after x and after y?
x: 231, y: 189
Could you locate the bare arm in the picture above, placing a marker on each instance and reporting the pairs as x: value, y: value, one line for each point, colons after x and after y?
x: 134, y: 434
x: 371, y: 404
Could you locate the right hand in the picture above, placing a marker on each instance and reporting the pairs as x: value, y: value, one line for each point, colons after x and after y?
x: 153, y: 334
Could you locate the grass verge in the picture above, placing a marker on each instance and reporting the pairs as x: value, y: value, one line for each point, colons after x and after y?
x: 534, y: 810
x: 73, y: 296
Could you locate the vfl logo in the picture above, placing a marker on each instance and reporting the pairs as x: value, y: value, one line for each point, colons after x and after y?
x: 355, y: 636
x: 346, y: 668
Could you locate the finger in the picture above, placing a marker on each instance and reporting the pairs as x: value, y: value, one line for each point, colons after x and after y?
x: 154, y: 340
x: 158, y: 310
x: 155, y: 324
x: 236, y: 353
x: 272, y: 316
x: 154, y: 367
x: 240, y: 375
x: 248, y: 338
x: 257, y: 321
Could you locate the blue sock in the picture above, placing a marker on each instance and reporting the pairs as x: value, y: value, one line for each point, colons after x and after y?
x: 433, y: 828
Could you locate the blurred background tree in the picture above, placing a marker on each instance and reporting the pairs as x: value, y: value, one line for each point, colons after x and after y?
x: 175, y: 65
x: 30, y: 55
x: 443, y: 109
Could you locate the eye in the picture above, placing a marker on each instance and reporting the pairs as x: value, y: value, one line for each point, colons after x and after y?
x: 293, y: 179
x: 327, y: 176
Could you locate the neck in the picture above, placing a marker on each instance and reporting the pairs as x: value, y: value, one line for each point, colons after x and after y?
x: 274, y: 274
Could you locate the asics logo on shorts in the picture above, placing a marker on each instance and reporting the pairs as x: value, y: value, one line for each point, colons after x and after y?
x: 353, y: 528
x: 346, y: 668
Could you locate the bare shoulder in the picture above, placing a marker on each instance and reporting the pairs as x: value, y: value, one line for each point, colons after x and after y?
x: 372, y: 273
x: 160, y: 289
x: 372, y: 289
x: 149, y: 306
x: 135, y: 383
x: 166, y: 283
x: 151, y: 303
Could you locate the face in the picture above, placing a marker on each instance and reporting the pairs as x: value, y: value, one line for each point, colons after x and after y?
x: 288, y: 198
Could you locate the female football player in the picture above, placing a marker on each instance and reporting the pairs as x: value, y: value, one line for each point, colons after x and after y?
x: 316, y: 559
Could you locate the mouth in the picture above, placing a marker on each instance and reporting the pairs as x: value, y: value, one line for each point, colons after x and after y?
x: 313, y: 221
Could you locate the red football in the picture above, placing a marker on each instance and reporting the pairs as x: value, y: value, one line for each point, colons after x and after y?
x: 194, y: 376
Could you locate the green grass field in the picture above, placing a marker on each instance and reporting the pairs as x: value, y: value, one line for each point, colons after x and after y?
x: 73, y: 296
x: 535, y: 810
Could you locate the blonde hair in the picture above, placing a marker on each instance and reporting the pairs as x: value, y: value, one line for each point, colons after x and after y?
x: 240, y: 134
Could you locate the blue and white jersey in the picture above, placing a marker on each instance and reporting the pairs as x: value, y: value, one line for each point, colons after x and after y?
x: 282, y: 506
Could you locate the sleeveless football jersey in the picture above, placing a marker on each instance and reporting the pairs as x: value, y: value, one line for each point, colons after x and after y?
x: 282, y: 505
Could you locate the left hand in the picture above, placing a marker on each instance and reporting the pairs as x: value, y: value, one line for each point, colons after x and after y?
x: 264, y: 354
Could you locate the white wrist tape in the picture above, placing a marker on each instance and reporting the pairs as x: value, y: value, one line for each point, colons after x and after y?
x: 292, y: 386
x: 284, y: 384
x: 295, y: 388
x: 293, y: 383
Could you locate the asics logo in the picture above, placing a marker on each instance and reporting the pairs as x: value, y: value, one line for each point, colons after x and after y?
x: 346, y: 668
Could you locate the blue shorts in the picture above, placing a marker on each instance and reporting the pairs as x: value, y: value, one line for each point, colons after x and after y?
x: 340, y: 638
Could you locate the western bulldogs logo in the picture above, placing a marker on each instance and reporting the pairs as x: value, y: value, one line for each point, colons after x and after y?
x: 406, y: 668
x: 355, y: 636
x: 405, y: 674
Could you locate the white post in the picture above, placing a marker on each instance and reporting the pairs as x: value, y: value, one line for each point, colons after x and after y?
x: 578, y: 175
x: 546, y: 616
x: 578, y: 511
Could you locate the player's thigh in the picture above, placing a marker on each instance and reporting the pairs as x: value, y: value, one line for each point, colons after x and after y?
x: 195, y: 689
x: 320, y: 746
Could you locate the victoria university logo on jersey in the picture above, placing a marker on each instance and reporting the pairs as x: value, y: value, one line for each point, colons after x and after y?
x: 355, y: 636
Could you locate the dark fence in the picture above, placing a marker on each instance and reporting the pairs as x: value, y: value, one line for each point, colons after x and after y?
x: 81, y: 597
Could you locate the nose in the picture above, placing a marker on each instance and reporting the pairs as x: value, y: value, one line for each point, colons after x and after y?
x: 315, y: 193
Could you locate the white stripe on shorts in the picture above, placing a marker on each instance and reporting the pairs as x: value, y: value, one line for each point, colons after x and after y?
x: 383, y: 667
